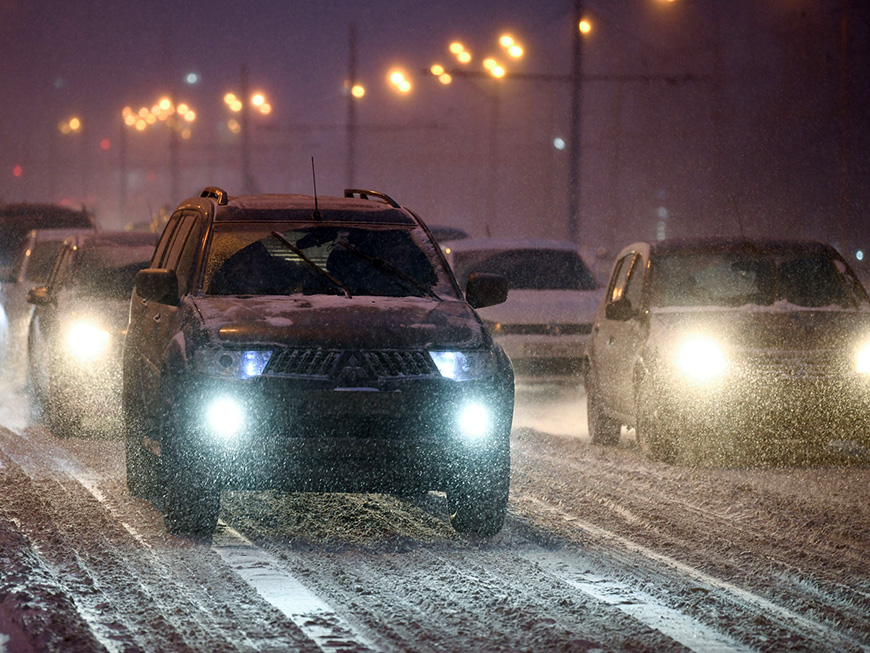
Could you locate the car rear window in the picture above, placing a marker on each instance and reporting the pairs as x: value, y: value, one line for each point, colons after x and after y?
x: 529, y: 269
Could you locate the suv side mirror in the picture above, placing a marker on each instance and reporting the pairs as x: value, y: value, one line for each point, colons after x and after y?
x: 39, y: 296
x: 484, y: 289
x: 620, y: 310
x: 158, y: 285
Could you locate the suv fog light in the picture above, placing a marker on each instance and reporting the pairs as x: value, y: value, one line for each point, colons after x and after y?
x: 474, y: 421
x: 225, y: 417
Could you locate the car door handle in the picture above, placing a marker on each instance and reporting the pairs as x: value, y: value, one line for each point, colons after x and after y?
x: 156, y: 317
x: 611, y: 340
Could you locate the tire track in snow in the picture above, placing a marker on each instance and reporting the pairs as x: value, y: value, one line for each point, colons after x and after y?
x: 105, y: 626
x: 824, y: 636
x: 316, y: 618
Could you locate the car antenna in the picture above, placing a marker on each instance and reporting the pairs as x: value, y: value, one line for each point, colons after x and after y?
x: 316, y: 214
x: 739, y: 216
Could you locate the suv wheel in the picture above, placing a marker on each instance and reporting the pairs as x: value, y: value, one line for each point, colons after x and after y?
x: 477, y: 500
x: 142, y: 465
x: 191, y: 499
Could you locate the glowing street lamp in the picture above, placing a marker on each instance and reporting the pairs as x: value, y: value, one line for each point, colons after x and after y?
x: 257, y: 100
x: 71, y: 126
x: 585, y: 26
x: 399, y: 81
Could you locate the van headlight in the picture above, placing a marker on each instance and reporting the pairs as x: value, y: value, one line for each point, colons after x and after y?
x: 232, y: 363
x: 86, y: 340
x: 862, y: 359
x: 463, y: 365
x: 701, y: 359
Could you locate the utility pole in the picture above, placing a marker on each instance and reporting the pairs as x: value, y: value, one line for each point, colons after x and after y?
x: 245, y: 135
x: 576, y: 105
x: 351, y: 110
x: 174, y: 193
x: 846, y: 238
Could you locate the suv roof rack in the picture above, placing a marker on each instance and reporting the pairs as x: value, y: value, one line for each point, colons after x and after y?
x: 364, y: 195
x: 215, y: 193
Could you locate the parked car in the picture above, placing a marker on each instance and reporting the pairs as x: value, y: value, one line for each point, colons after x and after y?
x: 16, y: 221
x: 715, y: 350
x: 444, y: 232
x: 77, y: 329
x: 546, y: 320
x: 30, y: 267
x: 312, y: 344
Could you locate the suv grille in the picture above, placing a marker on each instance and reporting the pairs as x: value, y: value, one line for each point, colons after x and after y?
x: 400, y: 363
x: 303, y: 362
x: 326, y: 363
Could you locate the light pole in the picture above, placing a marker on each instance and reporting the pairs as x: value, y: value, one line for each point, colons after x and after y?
x: 178, y: 118
x: 574, y: 168
x: 495, y: 70
x: 243, y: 104
x: 74, y: 126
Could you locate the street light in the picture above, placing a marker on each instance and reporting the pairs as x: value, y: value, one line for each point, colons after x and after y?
x: 73, y: 126
x: 497, y: 70
x: 177, y: 117
x: 399, y: 81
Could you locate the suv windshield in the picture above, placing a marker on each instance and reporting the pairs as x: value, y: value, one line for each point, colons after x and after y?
x: 529, y: 269
x: 359, y: 261
x: 806, y: 280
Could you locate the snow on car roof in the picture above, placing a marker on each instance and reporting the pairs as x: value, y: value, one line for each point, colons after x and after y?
x: 502, y: 244
x: 724, y: 244
x: 292, y: 207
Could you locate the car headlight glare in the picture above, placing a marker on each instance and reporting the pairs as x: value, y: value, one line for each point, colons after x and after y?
x: 463, y: 366
x: 232, y: 363
x: 475, y: 421
x: 862, y: 360
x: 85, y: 340
x: 225, y: 417
x: 701, y: 359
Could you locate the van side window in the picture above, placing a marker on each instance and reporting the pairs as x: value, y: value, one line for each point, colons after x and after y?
x: 621, y: 270
x: 634, y: 284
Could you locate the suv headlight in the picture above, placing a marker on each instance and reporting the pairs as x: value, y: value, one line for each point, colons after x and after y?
x: 701, y: 359
x: 232, y: 363
x: 463, y: 365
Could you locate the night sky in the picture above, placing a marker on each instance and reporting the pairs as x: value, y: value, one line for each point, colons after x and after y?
x: 762, y: 125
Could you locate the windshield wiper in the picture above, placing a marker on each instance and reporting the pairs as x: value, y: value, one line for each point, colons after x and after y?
x: 338, y: 284
x: 385, y: 266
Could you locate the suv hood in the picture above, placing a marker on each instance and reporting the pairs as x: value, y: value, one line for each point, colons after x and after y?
x: 335, y: 321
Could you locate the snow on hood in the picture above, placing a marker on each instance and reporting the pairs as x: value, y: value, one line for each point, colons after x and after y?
x: 545, y: 307
x: 336, y: 321
x: 765, y: 327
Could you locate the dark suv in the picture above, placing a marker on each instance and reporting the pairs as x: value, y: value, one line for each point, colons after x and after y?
x: 312, y: 344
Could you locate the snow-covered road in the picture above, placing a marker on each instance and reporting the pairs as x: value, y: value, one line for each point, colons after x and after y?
x: 602, y: 550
